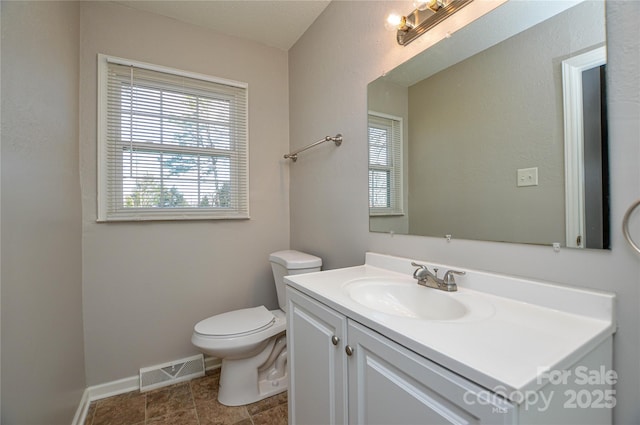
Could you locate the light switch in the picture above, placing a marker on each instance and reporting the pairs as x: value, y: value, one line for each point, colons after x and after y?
x: 528, y: 177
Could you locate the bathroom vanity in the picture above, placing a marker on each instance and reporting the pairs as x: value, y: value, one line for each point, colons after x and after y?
x: 367, y: 345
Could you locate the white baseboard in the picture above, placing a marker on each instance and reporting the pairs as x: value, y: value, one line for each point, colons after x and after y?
x: 83, y: 408
x: 121, y: 386
x: 101, y: 391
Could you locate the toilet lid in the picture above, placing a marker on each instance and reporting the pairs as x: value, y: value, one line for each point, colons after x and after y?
x: 236, y: 322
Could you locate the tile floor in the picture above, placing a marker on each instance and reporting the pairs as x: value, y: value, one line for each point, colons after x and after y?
x: 189, y: 403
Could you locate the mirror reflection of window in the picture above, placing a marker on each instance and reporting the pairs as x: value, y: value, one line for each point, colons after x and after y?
x: 385, y: 164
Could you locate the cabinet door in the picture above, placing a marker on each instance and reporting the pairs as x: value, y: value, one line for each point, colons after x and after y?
x: 316, y: 361
x: 389, y: 384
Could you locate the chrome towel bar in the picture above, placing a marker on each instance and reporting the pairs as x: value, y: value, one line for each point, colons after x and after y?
x: 294, y: 155
x: 625, y: 225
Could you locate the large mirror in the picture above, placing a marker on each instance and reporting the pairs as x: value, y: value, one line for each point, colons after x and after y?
x: 497, y: 133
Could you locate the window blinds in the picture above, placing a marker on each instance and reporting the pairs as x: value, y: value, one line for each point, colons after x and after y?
x: 385, y: 165
x: 173, y: 146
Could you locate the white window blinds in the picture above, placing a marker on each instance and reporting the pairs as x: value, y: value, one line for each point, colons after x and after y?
x: 172, y: 145
x: 385, y: 164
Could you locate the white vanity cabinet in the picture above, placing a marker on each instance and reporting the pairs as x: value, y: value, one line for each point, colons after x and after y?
x: 317, y: 362
x: 342, y: 372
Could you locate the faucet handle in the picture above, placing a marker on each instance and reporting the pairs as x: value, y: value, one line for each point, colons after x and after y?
x: 449, y: 278
x: 420, y: 272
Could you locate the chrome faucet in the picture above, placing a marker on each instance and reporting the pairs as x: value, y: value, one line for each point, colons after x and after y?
x: 431, y: 280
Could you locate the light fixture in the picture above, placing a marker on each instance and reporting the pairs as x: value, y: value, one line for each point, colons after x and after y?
x: 426, y: 15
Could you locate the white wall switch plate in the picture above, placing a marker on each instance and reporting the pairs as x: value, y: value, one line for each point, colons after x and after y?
x: 528, y: 177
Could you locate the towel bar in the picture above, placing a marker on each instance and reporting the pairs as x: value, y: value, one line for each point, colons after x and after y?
x: 625, y: 225
x: 294, y: 155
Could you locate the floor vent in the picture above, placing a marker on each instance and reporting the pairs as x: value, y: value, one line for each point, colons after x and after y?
x: 171, y: 373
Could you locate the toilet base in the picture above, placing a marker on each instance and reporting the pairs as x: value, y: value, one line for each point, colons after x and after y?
x: 245, y: 381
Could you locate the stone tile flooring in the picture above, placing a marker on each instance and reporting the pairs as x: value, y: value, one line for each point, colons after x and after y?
x: 189, y: 403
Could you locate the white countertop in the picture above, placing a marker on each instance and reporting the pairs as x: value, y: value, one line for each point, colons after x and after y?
x: 530, y: 326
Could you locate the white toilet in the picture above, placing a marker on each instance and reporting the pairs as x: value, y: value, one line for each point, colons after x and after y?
x: 251, y: 342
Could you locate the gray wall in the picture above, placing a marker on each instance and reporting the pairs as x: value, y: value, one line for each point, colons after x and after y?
x: 147, y: 284
x: 42, y: 338
x: 330, y: 67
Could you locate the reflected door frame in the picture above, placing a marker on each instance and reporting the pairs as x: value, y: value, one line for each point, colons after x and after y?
x: 572, y: 70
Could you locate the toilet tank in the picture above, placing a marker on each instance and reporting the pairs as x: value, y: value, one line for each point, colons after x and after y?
x: 289, y: 262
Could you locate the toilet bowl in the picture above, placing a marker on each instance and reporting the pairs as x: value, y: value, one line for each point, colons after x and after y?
x: 251, y: 342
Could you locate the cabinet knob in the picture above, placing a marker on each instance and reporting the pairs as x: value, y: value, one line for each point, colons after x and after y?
x: 335, y: 340
x: 348, y: 350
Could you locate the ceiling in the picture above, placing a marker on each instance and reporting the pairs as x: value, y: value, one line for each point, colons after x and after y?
x: 276, y: 23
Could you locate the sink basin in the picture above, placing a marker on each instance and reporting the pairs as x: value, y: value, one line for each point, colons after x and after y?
x: 405, y: 298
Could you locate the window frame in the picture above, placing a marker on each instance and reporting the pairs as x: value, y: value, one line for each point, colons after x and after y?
x: 104, y: 207
x: 395, y: 168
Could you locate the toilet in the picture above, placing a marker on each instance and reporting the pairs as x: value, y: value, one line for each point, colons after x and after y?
x: 251, y: 342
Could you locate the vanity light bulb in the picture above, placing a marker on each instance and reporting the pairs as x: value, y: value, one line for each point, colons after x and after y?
x: 420, y: 5
x: 393, y: 22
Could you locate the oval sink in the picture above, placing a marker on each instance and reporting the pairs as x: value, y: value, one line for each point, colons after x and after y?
x: 405, y: 298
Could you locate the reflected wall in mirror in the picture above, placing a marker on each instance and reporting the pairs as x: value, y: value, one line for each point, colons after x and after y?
x: 485, y: 118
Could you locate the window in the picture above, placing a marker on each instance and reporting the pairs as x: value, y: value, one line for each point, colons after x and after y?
x: 171, y: 145
x: 385, y: 164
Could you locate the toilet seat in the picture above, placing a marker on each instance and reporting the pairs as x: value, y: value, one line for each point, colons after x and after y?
x: 236, y: 323
x: 239, y: 345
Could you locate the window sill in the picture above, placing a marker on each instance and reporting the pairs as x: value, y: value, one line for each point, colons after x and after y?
x: 172, y: 217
